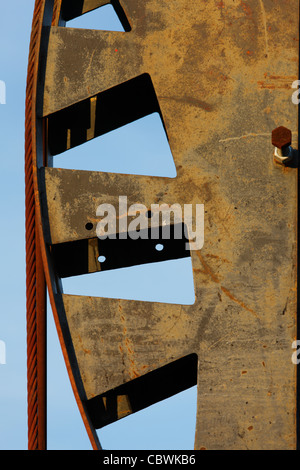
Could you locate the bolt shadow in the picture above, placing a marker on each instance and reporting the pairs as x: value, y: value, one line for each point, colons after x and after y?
x: 293, y: 163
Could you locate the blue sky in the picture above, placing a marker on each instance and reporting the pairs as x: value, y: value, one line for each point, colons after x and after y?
x: 167, y: 425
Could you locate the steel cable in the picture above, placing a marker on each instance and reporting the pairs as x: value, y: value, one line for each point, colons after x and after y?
x: 34, y: 276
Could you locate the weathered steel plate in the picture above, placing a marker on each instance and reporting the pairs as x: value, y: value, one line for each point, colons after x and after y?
x: 222, y: 74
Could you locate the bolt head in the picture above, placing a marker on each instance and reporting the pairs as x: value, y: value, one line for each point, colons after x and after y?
x: 281, y: 137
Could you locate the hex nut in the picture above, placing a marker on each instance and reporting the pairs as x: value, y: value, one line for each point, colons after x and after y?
x: 281, y: 137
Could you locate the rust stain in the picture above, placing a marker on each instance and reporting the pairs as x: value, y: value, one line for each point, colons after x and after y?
x: 242, y: 304
x: 208, y: 270
x: 244, y: 372
x: 246, y: 8
x: 283, y: 77
x: 224, y: 260
x: 85, y: 350
x: 250, y: 428
x: 128, y: 344
x: 220, y: 4
x: 272, y: 86
x: 273, y: 82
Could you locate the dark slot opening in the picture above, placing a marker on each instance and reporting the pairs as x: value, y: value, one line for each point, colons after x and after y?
x: 84, y: 256
x: 144, y: 391
x: 115, y: 108
x: 139, y: 148
x: 72, y: 9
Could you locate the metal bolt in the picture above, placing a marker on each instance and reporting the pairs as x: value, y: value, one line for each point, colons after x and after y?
x: 282, y: 139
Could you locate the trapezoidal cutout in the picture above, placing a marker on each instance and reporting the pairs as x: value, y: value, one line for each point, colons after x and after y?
x: 169, y: 424
x: 128, y: 118
x: 153, y: 270
x: 143, y: 391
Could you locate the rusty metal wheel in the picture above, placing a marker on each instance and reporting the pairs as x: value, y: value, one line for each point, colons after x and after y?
x: 219, y: 74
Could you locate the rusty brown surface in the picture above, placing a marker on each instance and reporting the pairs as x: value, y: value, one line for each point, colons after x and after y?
x: 281, y: 137
x: 222, y: 73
